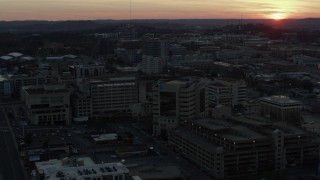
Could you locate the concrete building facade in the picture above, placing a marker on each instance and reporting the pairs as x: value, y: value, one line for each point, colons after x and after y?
x: 153, y: 65
x: 226, y: 149
x: 47, y: 104
x: 178, y: 100
x: 23, y: 80
x: 156, y: 48
x: 81, y: 106
x: 281, y: 108
x: 227, y: 92
x: 113, y: 95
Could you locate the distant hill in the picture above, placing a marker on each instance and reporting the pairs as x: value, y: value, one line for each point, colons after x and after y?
x: 21, y: 26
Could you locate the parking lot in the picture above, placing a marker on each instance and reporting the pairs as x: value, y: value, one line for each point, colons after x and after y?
x: 77, y: 138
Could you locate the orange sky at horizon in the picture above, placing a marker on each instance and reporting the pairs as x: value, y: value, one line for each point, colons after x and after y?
x: 156, y: 9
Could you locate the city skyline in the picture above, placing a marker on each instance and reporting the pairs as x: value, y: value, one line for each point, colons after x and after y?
x: 165, y: 9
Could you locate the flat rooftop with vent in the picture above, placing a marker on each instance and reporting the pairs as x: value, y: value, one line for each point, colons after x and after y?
x: 281, y: 109
x: 80, y: 168
x: 281, y: 101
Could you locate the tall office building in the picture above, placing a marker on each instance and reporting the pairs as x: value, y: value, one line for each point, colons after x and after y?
x: 47, y: 104
x: 178, y: 100
x: 156, y: 48
x: 113, y: 95
x: 153, y: 65
x: 227, y: 92
x: 281, y: 108
x: 177, y: 52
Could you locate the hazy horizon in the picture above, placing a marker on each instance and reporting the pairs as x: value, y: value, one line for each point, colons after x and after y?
x: 13, y: 10
x: 155, y: 19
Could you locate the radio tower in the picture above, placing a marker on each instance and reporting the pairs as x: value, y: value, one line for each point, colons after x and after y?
x: 130, y: 23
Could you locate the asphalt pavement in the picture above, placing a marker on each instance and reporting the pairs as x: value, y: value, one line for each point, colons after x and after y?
x: 188, y: 168
x: 10, y: 166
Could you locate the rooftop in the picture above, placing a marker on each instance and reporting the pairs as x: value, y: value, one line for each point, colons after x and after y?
x: 218, y: 84
x: 6, y: 58
x: 105, y: 137
x: 32, y: 90
x: 3, y: 78
x: 177, y: 82
x: 196, y: 139
x: 15, y: 54
x: 56, y: 169
x: 229, y: 129
x: 280, y: 100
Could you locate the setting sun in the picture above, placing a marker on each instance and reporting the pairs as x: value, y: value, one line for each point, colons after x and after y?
x: 277, y: 16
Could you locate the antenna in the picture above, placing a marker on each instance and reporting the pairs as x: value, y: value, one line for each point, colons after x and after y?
x: 130, y: 12
x: 130, y: 23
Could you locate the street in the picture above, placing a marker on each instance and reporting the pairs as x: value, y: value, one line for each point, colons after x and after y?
x: 188, y: 168
x: 10, y: 166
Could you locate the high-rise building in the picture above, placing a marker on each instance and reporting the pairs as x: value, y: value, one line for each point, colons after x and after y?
x: 281, y: 108
x: 153, y: 65
x: 130, y: 57
x: 177, y: 52
x: 47, y: 104
x: 113, y: 95
x: 156, y: 48
x: 178, y: 100
x: 228, y: 92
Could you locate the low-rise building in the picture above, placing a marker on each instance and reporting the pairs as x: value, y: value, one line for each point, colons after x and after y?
x: 18, y: 81
x: 81, y: 106
x: 243, y: 147
x: 80, y: 168
x: 303, y: 60
x: 282, y: 109
x: 105, y: 138
x: 6, y: 88
x: 280, y: 66
x: 47, y: 104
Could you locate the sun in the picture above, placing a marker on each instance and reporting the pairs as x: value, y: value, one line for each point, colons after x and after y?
x: 277, y: 16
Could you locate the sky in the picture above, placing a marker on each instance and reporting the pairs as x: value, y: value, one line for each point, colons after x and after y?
x: 156, y: 9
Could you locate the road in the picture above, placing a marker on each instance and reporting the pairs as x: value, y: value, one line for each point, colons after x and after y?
x: 10, y: 166
x: 188, y: 168
x: 167, y: 154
